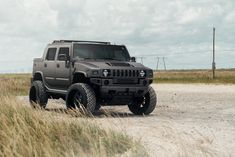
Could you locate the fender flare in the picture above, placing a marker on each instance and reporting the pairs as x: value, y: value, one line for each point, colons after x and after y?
x: 78, y: 73
x: 41, y: 74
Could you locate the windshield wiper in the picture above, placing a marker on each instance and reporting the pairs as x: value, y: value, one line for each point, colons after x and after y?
x: 87, y: 58
x: 112, y: 59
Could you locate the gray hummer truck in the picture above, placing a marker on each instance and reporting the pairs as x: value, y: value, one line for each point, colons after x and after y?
x: 89, y: 74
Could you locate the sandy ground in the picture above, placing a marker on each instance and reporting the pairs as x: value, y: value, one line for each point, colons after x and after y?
x: 190, y: 120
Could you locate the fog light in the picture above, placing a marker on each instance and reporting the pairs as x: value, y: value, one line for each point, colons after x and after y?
x: 140, y: 92
x: 106, y: 82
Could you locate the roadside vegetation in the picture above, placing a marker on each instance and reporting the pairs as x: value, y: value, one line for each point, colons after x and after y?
x: 30, y: 132
x: 195, y: 76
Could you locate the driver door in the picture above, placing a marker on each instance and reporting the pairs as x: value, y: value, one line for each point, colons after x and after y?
x: 49, y: 66
x: 63, y: 68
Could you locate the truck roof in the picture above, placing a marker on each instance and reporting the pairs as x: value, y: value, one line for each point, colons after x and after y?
x: 79, y: 41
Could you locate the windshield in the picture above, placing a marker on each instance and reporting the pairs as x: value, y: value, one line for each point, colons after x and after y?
x: 92, y: 51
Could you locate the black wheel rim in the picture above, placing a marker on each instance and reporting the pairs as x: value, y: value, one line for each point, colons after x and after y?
x: 143, y: 102
x: 78, y: 100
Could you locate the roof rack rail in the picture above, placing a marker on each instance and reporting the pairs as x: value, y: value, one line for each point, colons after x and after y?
x: 80, y: 41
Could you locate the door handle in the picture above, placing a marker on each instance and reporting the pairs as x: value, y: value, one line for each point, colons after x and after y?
x: 45, y: 65
x: 58, y: 65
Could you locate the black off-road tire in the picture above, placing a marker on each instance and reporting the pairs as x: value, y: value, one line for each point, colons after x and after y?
x: 37, y: 95
x: 145, y: 105
x: 87, y: 95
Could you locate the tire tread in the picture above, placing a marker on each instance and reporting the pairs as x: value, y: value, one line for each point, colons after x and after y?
x: 89, y: 93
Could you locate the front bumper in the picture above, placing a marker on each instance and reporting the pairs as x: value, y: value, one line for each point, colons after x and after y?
x: 122, y: 87
x: 122, y: 91
x: 121, y: 81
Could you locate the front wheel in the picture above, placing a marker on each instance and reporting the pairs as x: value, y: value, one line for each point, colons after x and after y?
x: 81, y: 95
x: 144, y: 105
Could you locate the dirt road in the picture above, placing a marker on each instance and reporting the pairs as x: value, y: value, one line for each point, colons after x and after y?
x: 190, y: 120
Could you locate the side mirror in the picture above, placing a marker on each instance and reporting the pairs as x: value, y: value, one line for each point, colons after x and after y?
x: 133, y: 59
x: 62, y: 57
x: 73, y: 60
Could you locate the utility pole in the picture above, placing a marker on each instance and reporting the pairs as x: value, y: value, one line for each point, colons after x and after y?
x: 163, y: 58
x: 213, y: 63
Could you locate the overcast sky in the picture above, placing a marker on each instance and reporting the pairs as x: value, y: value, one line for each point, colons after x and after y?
x: 179, y: 30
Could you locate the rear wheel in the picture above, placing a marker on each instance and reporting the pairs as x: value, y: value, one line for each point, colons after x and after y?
x: 81, y: 96
x: 144, y: 105
x: 37, y: 95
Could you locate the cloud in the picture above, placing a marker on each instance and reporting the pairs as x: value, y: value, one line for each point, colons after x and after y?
x: 147, y: 27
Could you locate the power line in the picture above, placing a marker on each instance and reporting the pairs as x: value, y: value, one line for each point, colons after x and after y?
x: 184, y: 52
x: 158, y: 61
x: 173, y: 53
x: 141, y: 59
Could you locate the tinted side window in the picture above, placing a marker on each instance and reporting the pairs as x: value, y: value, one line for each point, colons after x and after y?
x: 63, y: 50
x: 51, y: 54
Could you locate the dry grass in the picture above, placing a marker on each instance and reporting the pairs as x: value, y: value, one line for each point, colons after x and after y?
x: 195, y: 76
x: 15, y: 84
x: 26, y: 132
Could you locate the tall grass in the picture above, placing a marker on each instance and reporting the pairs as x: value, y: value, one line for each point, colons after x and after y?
x: 27, y: 132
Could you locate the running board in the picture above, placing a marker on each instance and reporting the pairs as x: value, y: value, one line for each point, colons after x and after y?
x: 50, y: 90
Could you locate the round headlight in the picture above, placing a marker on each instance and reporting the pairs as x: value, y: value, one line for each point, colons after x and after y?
x: 142, y: 73
x: 105, y: 73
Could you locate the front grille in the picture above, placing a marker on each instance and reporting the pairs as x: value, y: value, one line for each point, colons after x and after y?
x: 125, y: 73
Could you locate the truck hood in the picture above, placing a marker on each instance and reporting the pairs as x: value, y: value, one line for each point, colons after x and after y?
x: 109, y: 65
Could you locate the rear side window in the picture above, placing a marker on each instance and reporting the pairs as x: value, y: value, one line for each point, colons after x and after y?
x: 63, y: 50
x: 51, y: 54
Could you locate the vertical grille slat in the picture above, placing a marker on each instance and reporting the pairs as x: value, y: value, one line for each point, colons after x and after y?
x: 124, y: 73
